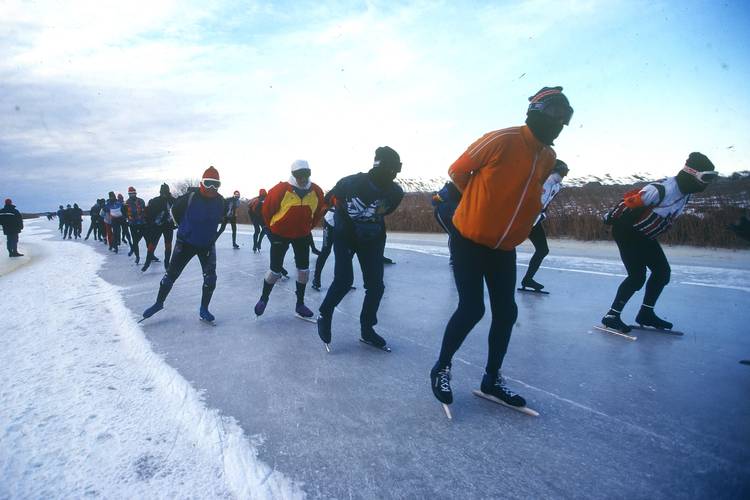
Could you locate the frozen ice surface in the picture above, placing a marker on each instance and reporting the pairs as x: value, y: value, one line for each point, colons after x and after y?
x: 662, y: 417
x: 88, y: 409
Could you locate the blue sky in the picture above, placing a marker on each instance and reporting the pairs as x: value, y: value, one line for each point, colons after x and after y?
x: 100, y: 96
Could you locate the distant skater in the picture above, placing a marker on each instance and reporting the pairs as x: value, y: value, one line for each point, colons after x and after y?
x: 538, y: 238
x: 637, y: 221
x: 12, y: 223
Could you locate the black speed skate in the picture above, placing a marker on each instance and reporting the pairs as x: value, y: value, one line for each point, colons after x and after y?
x: 529, y: 285
x: 614, y: 322
x: 324, y: 331
x: 493, y: 389
x: 369, y: 337
x: 440, y: 381
x: 647, y: 317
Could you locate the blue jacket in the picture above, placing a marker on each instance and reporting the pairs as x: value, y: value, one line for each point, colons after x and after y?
x: 197, y: 217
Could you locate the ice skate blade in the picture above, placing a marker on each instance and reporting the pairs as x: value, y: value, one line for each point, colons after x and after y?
x: 657, y: 330
x: 531, y: 290
x: 615, y: 332
x: 384, y: 348
x: 206, y: 322
x: 328, y: 347
x: 447, y: 411
x: 311, y: 319
x: 523, y: 409
x: 141, y: 320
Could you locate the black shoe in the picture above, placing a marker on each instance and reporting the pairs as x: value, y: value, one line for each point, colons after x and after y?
x: 530, y: 283
x: 614, y: 322
x: 158, y: 306
x: 324, y: 329
x: 370, y: 337
x: 315, y: 285
x: 647, y: 317
x: 137, y: 259
x: 16, y: 254
x: 155, y: 259
x: 493, y: 385
x: 440, y: 380
x: 235, y: 246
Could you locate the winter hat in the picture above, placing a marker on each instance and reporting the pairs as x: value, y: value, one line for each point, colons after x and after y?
x: 262, y: 192
x: 699, y: 162
x: 551, y: 101
x: 131, y: 190
x: 387, y: 157
x: 164, y: 189
x: 210, y: 174
x: 8, y: 201
x: 237, y: 193
x: 300, y: 165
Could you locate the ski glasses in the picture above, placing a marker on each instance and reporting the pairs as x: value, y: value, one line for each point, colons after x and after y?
x: 211, y: 183
x: 704, y: 177
x: 554, y: 109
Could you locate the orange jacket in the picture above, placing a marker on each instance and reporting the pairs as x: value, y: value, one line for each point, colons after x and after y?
x: 288, y: 215
x: 501, y: 176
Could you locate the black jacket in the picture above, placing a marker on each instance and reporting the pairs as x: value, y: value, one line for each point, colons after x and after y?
x: 11, y: 219
x: 158, y: 211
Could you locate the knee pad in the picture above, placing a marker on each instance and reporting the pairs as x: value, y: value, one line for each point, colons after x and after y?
x: 303, y: 275
x: 272, y: 277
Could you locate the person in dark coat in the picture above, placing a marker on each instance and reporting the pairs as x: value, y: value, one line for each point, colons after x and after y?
x: 76, y: 220
x: 198, y: 214
x: 230, y: 217
x: 159, y: 222
x: 255, y: 211
x: 68, y: 222
x: 61, y: 218
x: 12, y: 223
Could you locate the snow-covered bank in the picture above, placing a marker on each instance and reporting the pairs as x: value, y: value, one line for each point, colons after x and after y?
x: 87, y: 408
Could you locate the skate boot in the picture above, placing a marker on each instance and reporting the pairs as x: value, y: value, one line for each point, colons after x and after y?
x: 158, y: 306
x: 647, y: 317
x: 530, y: 283
x: 235, y: 246
x: 324, y: 329
x: 315, y: 285
x: 612, y: 320
x: 493, y: 385
x: 440, y: 380
x: 206, y: 316
x: 304, y: 312
x: 146, y: 264
x: 260, y: 307
x: 368, y: 336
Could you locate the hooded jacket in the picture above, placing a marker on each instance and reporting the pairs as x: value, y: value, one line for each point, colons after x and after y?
x: 11, y: 219
x: 291, y: 215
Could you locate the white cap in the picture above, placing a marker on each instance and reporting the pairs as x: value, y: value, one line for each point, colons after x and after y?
x: 300, y: 165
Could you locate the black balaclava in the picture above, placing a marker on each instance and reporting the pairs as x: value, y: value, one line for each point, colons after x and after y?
x: 112, y: 196
x: 164, y: 190
x: 549, y: 110
x: 689, y: 183
x: 385, y: 168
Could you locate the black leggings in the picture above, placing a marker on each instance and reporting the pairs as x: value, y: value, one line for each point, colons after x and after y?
x: 639, y: 253
x: 183, y: 253
x: 325, y: 251
x: 539, y: 240
x: 233, y: 222
x: 473, y: 266
x: 279, y: 247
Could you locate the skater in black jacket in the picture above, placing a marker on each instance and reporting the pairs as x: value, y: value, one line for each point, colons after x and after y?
x: 636, y: 222
x: 362, y: 202
x: 159, y: 222
x: 230, y: 217
x: 12, y: 223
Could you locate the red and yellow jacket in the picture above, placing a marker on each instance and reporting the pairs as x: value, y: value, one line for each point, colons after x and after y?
x: 289, y: 216
x: 501, y: 177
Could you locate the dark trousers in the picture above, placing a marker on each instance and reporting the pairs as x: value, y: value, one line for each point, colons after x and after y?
x: 12, y: 243
x: 68, y: 232
x: 325, y: 251
x: 115, y: 229
x: 474, y: 266
x: 125, y: 233
x: 259, y: 232
x: 137, y: 232
x: 539, y: 239
x: 233, y: 222
x: 639, y: 253
x: 279, y: 247
x: 183, y: 253
x: 370, y: 256
x: 153, y: 234
x: 95, y: 226
x: 444, y: 216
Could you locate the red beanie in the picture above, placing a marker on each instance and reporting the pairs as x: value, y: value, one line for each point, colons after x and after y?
x: 8, y: 201
x: 211, y: 173
x: 262, y: 192
x: 131, y: 189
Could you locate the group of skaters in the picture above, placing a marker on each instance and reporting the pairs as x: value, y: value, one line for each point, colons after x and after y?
x: 70, y: 220
x: 497, y: 197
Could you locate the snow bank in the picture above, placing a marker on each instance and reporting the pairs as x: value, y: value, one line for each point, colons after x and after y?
x: 89, y: 409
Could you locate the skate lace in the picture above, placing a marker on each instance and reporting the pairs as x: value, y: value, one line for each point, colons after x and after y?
x: 500, y: 384
x: 444, y: 377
